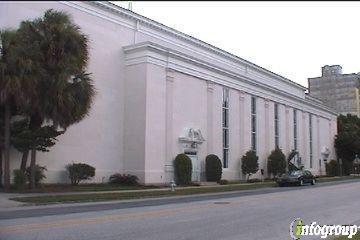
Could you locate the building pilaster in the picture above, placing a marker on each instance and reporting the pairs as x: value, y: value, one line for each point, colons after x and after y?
x: 210, y: 106
x: 170, y: 75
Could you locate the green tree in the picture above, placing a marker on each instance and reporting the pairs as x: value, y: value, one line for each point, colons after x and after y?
x: 41, y: 139
x: 64, y: 91
x: 1, y: 144
x: 249, y: 163
x: 15, y: 87
x: 347, y: 141
x: 276, y: 162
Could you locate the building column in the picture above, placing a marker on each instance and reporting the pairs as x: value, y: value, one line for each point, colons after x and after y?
x: 318, y: 148
x: 210, y: 127
x: 169, y: 169
x: 241, y: 128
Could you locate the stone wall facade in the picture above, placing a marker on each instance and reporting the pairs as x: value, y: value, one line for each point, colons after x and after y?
x: 160, y: 92
x: 337, y: 90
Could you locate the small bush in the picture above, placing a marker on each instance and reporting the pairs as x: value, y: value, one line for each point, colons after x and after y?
x: 276, y: 162
x: 39, y: 174
x: 223, y: 182
x: 125, y: 179
x: 332, y: 168
x: 249, y: 163
x: 19, y: 179
x: 213, y: 168
x: 183, y: 169
x: 79, y: 172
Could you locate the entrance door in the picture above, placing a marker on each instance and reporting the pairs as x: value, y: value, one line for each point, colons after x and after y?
x: 195, y: 176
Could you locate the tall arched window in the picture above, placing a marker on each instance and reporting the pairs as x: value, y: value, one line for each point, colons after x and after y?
x: 225, y: 126
x: 253, y: 124
x: 276, y: 124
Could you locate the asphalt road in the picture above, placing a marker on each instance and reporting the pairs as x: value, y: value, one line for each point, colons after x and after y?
x: 259, y: 214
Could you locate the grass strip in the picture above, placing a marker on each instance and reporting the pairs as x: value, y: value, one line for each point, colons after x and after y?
x: 95, y: 197
x: 63, y: 188
x: 333, y: 179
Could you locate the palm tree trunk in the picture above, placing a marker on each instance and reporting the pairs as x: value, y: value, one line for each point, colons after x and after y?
x: 35, y: 123
x: 32, y: 168
x: 7, y: 146
x: 24, y: 160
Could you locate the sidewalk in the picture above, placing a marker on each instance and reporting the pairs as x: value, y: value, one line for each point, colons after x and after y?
x: 5, y: 203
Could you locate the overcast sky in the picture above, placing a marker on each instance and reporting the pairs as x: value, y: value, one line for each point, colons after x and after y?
x: 293, y: 39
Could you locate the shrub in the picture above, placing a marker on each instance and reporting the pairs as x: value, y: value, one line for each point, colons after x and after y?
x: 125, y: 179
x: 213, y: 168
x: 276, y: 162
x: 223, y: 182
x: 183, y: 169
x: 249, y: 163
x: 39, y: 174
x: 19, y: 179
x: 79, y: 172
x: 332, y: 168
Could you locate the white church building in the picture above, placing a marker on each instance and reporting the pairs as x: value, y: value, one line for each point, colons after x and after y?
x: 161, y: 92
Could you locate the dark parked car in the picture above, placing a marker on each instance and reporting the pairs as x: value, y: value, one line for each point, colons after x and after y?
x: 298, y: 177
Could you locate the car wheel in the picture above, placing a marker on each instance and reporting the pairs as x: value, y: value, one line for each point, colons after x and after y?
x: 301, y: 183
x: 313, y: 182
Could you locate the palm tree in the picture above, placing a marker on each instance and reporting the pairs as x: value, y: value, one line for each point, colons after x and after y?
x: 64, y: 91
x: 14, y: 87
x: 1, y: 144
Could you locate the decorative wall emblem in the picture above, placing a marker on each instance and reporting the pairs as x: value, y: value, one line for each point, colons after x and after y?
x: 325, y: 152
x: 191, y: 138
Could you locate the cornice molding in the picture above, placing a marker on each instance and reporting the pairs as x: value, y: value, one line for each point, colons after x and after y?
x: 138, y: 19
x: 148, y: 52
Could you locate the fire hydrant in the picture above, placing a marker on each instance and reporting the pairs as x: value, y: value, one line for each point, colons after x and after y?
x: 172, y: 185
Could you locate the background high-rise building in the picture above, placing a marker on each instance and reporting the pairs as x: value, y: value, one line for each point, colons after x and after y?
x: 337, y: 90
